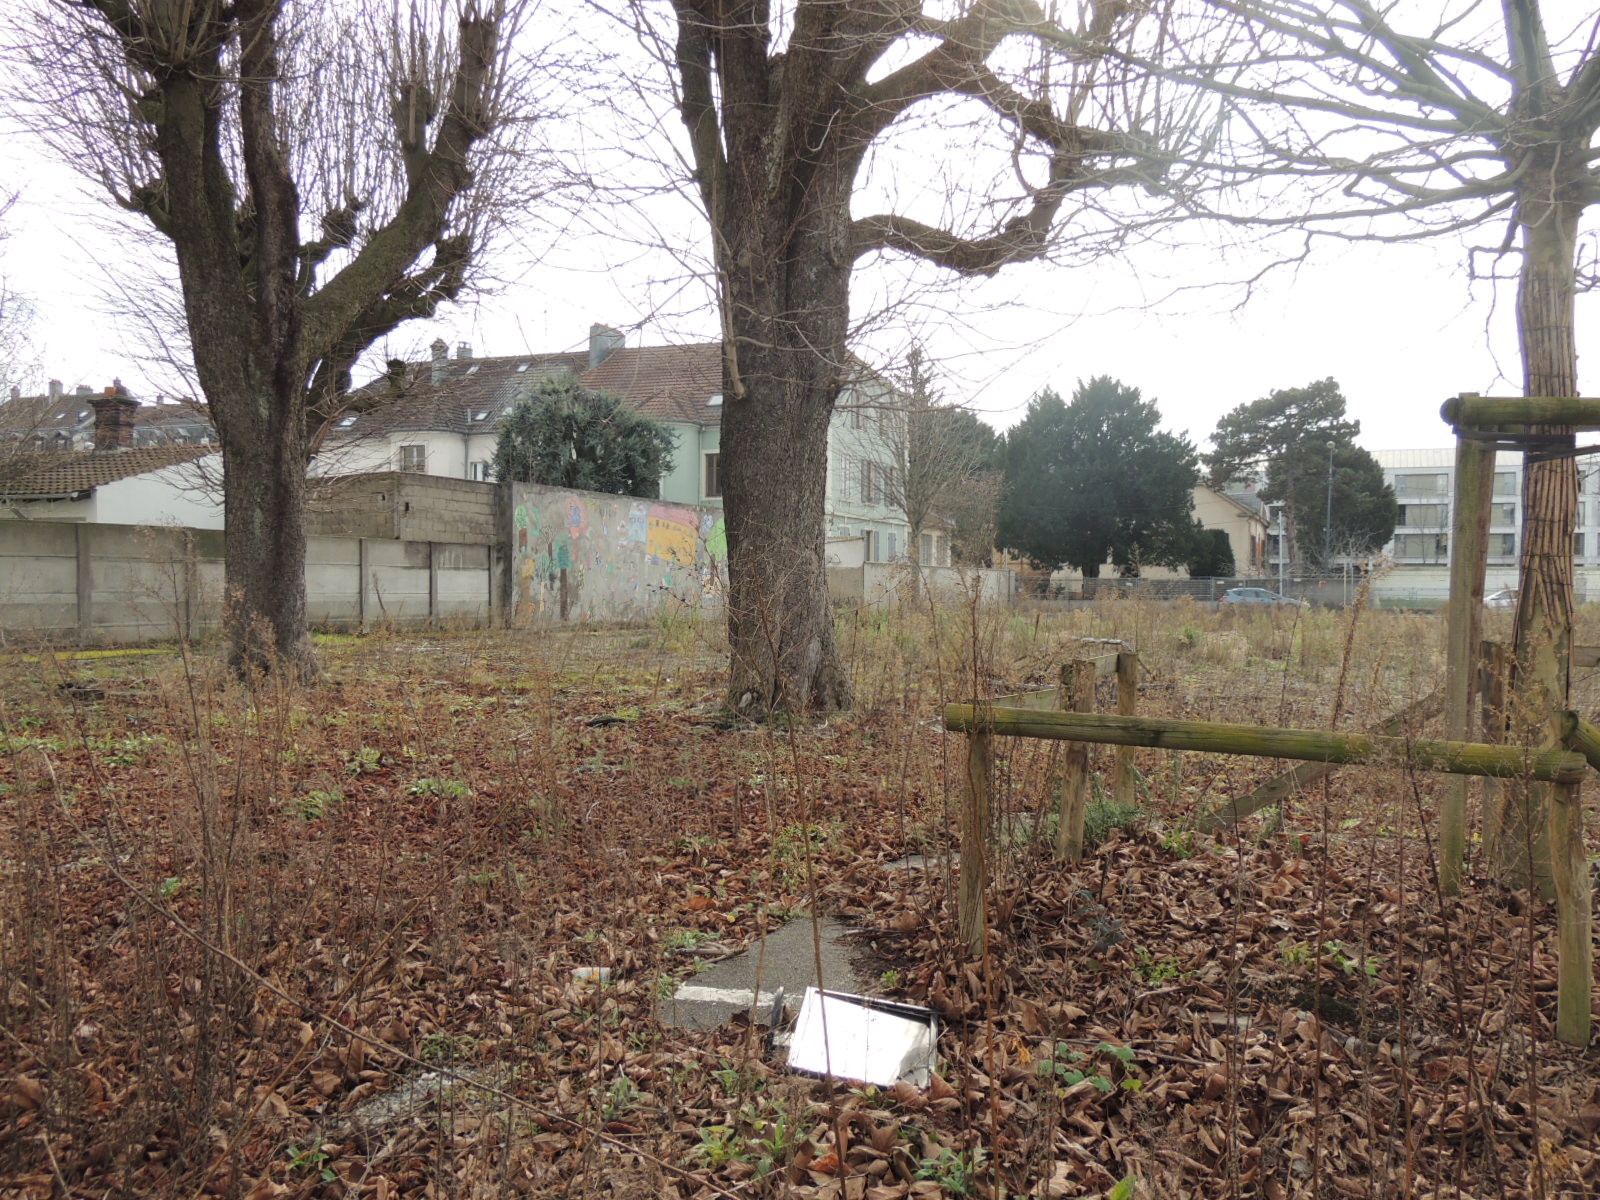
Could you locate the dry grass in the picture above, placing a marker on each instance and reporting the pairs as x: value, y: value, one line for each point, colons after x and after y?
x: 230, y: 919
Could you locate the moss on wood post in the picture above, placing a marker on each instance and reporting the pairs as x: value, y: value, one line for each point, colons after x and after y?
x: 1302, y: 776
x: 1464, y: 758
x: 1077, y: 696
x: 1483, y: 412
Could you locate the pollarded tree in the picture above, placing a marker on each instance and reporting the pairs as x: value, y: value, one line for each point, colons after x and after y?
x: 1095, y: 482
x: 315, y: 172
x: 1299, y: 445
x: 568, y: 436
x: 787, y: 106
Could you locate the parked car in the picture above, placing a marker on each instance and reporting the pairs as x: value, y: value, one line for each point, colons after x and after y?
x: 1504, y: 598
x: 1246, y: 597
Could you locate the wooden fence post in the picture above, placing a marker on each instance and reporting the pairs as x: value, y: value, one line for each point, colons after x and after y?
x: 1574, y: 915
x: 976, y: 826
x: 1127, y: 706
x: 1469, y: 549
x: 1077, y: 695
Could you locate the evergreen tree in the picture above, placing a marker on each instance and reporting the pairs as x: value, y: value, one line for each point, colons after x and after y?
x: 1095, y: 481
x: 1299, y: 446
x: 567, y: 436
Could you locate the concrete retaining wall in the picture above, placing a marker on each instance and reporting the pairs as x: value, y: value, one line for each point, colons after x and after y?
x: 581, y: 556
x: 129, y: 583
x: 880, y: 585
x: 408, y: 507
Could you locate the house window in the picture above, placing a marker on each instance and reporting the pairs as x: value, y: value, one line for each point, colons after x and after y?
x: 414, y: 458
x: 715, y: 401
x: 872, y: 544
x: 894, y: 550
x: 1421, y: 485
x: 1577, y: 545
x: 1502, y: 514
x: 713, y: 475
x: 1505, y: 483
x: 481, y: 470
x: 1434, y: 546
x: 1502, y: 545
x: 1423, y: 516
x: 927, y: 552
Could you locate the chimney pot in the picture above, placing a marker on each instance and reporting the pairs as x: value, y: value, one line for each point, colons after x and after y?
x: 463, y: 351
x: 55, y: 389
x: 603, y: 342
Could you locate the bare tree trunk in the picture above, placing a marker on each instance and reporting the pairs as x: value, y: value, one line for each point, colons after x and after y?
x: 782, y: 252
x: 1546, y: 319
x: 265, y: 542
x: 775, y: 455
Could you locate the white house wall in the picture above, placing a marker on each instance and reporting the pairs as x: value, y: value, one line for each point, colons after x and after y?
x: 166, y: 497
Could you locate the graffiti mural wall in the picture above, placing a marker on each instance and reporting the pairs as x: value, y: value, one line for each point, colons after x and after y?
x: 583, y: 556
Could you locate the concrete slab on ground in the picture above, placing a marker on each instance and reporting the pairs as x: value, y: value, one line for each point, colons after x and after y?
x: 787, y: 961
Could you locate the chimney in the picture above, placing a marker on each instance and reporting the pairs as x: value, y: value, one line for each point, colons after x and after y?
x: 602, y: 341
x: 113, y: 418
x: 441, y: 360
x: 396, y: 375
x: 16, y: 392
x: 463, y: 351
x: 55, y: 389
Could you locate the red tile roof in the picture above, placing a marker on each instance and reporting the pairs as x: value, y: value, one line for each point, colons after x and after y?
x: 670, y: 383
x: 57, y: 473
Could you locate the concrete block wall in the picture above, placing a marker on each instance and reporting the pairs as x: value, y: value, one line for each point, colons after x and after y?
x: 407, y: 506
x: 581, y: 556
x: 79, y: 582
x: 883, y: 584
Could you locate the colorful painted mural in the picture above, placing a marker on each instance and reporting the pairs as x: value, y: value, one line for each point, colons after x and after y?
x: 582, y: 556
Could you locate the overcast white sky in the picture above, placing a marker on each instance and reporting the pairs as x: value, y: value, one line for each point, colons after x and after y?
x: 1398, y: 327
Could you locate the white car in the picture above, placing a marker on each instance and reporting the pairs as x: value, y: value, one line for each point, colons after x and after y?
x: 1504, y: 598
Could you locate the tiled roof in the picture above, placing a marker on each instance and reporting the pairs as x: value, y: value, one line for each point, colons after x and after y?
x: 473, y: 395
x: 46, y: 416
x: 28, y: 415
x: 672, y: 383
x: 48, y: 473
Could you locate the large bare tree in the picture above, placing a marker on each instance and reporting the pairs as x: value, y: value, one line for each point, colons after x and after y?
x: 320, y: 175
x: 787, y: 109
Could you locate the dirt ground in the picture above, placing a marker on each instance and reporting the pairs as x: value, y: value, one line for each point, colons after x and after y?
x: 324, y: 942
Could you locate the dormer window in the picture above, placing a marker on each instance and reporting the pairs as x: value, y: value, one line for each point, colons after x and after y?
x: 473, y: 369
x: 481, y: 416
x: 521, y: 367
x: 715, y: 401
x: 346, y: 422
